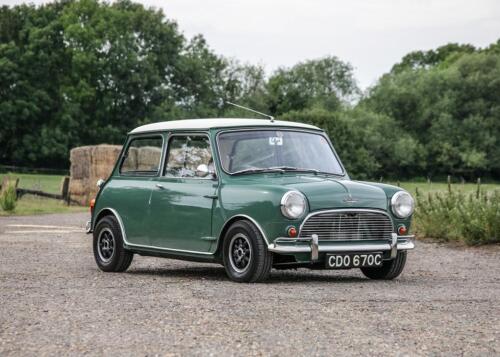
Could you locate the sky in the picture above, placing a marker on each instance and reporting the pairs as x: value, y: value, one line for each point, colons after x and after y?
x: 371, y: 35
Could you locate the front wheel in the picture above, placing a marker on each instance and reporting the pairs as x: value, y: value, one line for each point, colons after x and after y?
x: 389, y: 270
x: 245, y: 255
x: 109, y: 253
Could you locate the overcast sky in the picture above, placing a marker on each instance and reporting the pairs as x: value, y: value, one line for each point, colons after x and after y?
x: 370, y: 34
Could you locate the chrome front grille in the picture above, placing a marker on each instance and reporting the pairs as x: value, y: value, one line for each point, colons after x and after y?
x: 348, y: 225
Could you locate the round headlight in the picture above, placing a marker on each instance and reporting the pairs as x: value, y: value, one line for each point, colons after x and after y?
x: 402, y: 204
x: 293, y: 204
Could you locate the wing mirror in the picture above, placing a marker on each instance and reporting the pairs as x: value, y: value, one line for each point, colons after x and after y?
x: 100, y: 182
x: 203, y: 171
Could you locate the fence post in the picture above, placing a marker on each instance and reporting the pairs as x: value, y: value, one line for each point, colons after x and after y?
x: 449, y: 183
x: 65, y: 189
x: 478, y: 192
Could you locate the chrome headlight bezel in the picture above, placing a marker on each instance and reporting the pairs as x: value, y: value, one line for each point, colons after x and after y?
x: 286, y: 203
x: 399, y: 199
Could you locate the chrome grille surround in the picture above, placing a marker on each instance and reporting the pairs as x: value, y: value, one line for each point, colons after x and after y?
x: 348, y: 225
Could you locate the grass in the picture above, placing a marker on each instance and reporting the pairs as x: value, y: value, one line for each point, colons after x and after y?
x: 435, y: 187
x: 41, y: 182
x: 31, y: 205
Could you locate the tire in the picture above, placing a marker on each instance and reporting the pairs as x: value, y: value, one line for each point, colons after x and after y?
x: 245, y: 255
x: 389, y: 270
x: 109, y: 253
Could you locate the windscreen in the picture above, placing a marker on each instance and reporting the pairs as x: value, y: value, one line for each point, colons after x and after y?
x: 267, y: 149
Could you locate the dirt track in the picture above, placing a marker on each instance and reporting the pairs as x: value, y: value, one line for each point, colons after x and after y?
x: 54, y: 300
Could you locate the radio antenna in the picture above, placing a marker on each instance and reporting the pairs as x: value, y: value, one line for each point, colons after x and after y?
x: 252, y: 110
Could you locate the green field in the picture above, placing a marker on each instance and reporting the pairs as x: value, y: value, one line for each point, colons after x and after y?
x: 46, y: 183
x: 30, y: 204
x: 424, y: 187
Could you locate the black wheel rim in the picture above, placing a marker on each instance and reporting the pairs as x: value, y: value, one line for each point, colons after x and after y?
x: 240, y: 252
x: 106, y: 245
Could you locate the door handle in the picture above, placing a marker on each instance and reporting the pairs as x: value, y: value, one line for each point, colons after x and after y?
x: 213, y: 197
x: 161, y: 187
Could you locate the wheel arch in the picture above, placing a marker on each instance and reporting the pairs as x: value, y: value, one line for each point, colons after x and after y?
x: 107, y: 211
x: 227, y: 225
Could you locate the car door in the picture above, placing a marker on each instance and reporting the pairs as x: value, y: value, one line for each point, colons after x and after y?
x: 182, y: 199
x: 130, y: 192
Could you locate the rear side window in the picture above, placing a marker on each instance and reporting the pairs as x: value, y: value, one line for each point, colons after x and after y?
x: 186, y: 153
x: 143, y: 157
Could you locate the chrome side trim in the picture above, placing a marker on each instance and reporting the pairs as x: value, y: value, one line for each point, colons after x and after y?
x: 124, y: 236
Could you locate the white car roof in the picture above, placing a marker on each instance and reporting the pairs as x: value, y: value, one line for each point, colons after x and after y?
x: 217, y: 123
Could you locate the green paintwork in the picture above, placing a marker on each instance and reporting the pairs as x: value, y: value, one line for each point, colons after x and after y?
x: 186, y: 218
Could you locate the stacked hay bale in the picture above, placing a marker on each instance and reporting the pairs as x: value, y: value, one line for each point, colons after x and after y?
x: 89, y: 164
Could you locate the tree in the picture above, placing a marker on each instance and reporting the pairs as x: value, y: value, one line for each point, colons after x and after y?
x: 450, y: 106
x: 325, y: 83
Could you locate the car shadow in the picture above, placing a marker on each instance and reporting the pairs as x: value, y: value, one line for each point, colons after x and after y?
x: 208, y: 273
x: 217, y: 273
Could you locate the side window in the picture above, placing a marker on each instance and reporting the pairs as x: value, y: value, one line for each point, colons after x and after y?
x: 142, y: 157
x: 186, y: 153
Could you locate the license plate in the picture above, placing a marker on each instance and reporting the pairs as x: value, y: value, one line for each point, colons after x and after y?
x: 342, y: 261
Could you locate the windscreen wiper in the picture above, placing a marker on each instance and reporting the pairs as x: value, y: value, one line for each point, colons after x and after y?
x: 291, y: 168
x: 254, y: 170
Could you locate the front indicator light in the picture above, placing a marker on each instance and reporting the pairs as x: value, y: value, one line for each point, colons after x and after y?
x: 92, y: 204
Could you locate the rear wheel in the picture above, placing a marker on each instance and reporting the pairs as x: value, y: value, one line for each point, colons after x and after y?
x: 245, y: 255
x: 390, y: 269
x: 109, y: 253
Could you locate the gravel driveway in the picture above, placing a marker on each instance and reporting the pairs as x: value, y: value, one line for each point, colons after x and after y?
x: 54, y: 300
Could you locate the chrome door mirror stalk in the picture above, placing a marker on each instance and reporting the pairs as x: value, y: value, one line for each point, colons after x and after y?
x: 203, y: 171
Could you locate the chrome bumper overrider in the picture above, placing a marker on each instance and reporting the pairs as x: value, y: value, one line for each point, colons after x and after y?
x: 314, y: 246
x: 88, y: 227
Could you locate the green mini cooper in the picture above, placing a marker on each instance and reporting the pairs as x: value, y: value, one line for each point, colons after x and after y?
x: 250, y: 194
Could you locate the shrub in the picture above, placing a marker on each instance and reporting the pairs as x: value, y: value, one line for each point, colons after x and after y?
x: 8, y: 199
x: 454, y: 216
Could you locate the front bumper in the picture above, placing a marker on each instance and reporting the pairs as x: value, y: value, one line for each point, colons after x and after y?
x: 313, y: 246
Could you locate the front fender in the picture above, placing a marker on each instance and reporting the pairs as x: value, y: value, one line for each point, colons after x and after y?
x: 260, y: 204
x: 390, y: 190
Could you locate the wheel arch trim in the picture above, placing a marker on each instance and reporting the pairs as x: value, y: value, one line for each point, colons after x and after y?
x: 235, y: 218
x: 113, y: 212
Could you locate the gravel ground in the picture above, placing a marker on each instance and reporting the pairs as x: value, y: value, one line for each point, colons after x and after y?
x: 54, y: 300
